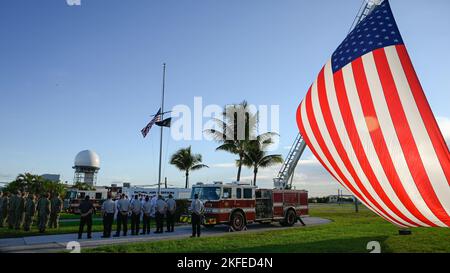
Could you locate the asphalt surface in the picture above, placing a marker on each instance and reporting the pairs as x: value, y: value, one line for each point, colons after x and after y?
x: 61, y: 242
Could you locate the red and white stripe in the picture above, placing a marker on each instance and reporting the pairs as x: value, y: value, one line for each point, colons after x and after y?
x: 372, y: 128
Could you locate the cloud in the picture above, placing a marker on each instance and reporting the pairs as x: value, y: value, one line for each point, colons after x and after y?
x: 444, y: 125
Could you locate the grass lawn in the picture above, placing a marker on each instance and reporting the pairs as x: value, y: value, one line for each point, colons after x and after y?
x: 349, y: 232
x: 64, y: 227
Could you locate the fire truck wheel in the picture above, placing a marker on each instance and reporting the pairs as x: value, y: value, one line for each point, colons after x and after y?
x: 290, y: 218
x: 237, y: 222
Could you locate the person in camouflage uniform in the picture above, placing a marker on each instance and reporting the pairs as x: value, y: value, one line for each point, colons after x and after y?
x: 3, y: 207
x: 12, y: 204
x: 55, y: 209
x: 30, y: 209
x: 43, y: 209
x: 20, y: 210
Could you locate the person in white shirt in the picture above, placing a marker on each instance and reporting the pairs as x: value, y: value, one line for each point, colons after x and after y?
x: 123, y: 207
x: 108, y: 211
x: 160, y: 211
x: 153, y: 202
x: 136, y: 208
x: 146, y: 211
x: 170, y: 214
x: 196, y: 209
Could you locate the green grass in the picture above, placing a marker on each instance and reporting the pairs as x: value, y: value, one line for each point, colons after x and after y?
x: 349, y: 233
x: 64, y: 227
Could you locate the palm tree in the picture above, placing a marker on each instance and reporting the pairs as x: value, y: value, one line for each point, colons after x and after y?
x: 256, y: 157
x: 237, y: 128
x: 184, y: 160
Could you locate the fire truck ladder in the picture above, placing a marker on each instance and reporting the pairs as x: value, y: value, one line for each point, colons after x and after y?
x: 290, y: 163
x: 366, y: 8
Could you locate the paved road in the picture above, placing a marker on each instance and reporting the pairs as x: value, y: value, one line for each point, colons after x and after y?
x: 57, y: 243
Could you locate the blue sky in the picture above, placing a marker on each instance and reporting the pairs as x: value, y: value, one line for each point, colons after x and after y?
x: 89, y: 76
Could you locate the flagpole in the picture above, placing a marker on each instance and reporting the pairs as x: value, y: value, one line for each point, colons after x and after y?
x: 161, y: 134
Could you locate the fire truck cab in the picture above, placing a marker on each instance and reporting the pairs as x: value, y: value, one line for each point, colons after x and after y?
x: 238, y: 204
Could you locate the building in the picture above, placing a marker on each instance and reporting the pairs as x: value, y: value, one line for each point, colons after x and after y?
x: 87, y: 165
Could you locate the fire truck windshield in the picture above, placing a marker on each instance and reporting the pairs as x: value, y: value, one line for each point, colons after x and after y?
x: 206, y: 193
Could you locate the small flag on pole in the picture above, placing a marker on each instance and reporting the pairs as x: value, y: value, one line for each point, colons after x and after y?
x: 155, y: 119
x: 164, y: 123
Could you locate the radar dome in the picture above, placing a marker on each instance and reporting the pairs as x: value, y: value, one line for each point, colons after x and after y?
x: 87, y: 158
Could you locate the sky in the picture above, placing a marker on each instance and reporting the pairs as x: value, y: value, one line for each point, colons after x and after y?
x: 89, y: 77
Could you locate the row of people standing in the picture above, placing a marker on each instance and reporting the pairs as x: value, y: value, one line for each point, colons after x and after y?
x: 136, y: 210
x: 18, y: 210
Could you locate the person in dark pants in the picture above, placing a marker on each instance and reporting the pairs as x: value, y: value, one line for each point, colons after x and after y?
x: 136, y: 209
x: 147, y: 210
x: 108, y: 211
x: 86, y: 210
x: 196, y: 209
x: 170, y: 214
x: 160, y: 211
x: 123, y: 207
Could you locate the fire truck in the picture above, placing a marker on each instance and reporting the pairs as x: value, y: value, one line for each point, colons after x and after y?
x: 238, y: 204
x: 74, y: 197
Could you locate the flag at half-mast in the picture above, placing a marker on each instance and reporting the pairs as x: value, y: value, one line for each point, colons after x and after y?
x: 156, y: 118
x: 367, y: 120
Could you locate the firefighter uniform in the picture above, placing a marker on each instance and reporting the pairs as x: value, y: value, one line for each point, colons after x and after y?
x: 108, y: 211
x: 20, y: 211
x: 136, y: 208
x: 30, y: 209
x: 3, y: 208
x: 197, y: 209
x: 43, y: 209
x: 123, y: 207
x: 55, y: 209
x: 147, y: 211
x: 160, y: 211
x: 12, y: 204
x: 170, y: 214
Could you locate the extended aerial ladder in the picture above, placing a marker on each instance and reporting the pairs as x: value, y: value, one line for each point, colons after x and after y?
x: 287, y: 170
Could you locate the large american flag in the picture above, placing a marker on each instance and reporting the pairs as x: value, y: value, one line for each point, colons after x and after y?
x: 149, y: 126
x: 367, y: 120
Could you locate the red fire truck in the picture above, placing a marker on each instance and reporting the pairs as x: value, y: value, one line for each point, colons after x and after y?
x: 237, y: 204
